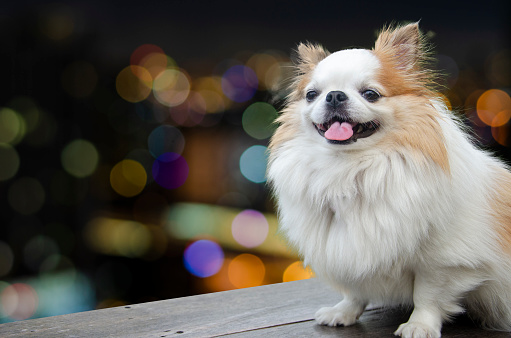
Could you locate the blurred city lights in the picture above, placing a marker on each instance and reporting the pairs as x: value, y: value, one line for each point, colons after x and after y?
x: 210, y: 90
x: 250, y: 228
x: 19, y: 301
x: 12, y: 126
x: 10, y: 161
x: 494, y: 107
x: 267, y: 68
x: 203, y: 258
x: 171, y: 87
x: 296, y: 271
x: 128, y: 178
x: 499, y: 68
x: 170, y: 170
x: 37, y: 250
x: 239, y: 83
x: 118, y: 237
x: 165, y: 139
x: 6, y: 258
x: 80, y: 158
x: 258, y: 120
x: 134, y: 83
x: 246, y: 270
x: 253, y: 163
x: 57, y: 23
x: 26, y: 195
x: 141, y: 53
x: 186, y: 221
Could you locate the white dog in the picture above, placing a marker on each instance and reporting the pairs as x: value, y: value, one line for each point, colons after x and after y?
x: 383, y: 194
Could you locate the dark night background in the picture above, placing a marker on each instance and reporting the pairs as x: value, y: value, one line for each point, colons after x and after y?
x: 85, y: 220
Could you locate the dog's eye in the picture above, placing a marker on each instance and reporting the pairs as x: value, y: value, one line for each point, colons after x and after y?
x: 371, y: 95
x: 311, y: 95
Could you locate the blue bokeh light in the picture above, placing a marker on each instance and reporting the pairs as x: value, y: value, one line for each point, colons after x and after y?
x: 239, y: 83
x: 253, y: 163
x: 203, y: 258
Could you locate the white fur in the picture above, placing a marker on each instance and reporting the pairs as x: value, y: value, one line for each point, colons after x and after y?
x: 384, y: 228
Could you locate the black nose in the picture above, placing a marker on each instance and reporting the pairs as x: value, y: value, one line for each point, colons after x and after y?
x: 335, y: 98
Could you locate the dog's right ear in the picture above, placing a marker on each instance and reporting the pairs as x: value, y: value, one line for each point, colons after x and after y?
x: 307, y: 56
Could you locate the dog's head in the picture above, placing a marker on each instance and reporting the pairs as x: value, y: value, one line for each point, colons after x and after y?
x: 357, y: 98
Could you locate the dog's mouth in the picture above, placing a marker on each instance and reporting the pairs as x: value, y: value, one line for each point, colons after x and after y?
x: 338, y: 131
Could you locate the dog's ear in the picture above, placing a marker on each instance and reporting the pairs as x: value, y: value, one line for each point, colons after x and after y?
x: 307, y: 56
x: 405, y: 57
x: 405, y: 44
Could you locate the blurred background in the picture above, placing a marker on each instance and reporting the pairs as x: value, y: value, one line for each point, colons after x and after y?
x: 133, y: 137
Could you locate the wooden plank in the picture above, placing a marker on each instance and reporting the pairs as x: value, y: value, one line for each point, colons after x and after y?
x: 197, y: 316
x: 372, y: 324
x: 279, y: 310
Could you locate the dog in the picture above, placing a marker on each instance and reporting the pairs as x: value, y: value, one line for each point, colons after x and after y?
x: 383, y: 193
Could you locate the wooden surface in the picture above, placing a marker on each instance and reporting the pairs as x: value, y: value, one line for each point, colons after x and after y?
x: 279, y: 310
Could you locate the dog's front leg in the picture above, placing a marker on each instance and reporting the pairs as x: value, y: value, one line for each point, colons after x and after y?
x: 345, y: 313
x: 435, y: 298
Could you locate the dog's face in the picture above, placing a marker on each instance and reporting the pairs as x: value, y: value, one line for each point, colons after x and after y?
x: 358, y: 98
x: 342, y: 101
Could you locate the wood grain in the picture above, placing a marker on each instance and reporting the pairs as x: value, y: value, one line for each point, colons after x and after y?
x: 279, y: 310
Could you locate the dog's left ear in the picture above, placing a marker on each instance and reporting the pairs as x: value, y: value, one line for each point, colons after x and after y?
x: 404, y: 45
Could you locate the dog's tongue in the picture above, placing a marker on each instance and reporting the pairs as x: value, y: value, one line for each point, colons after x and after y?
x: 339, y: 131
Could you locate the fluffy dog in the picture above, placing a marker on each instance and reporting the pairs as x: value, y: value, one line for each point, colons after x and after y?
x: 383, y: 193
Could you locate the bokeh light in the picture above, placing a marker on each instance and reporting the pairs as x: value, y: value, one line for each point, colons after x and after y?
x: 239, y: 83
x: 128, y: 178
x: 26, y: 195
x: 165, y: 139
x: 171, y: 87
x: 253, y: 163
x: 141, y: 53
x: 494, y: 107
x: 258, y: 120
x: 118, y: 237
x: 246, y: 270
x: 170, y: 170
x: 19, y: 301
x: 499, y: 68
x: 296, y: 271
x: 203, y: 258
x: 57, y: 23
x: 12, y: 126
x: 6, y: 258
x: 267, y: 68
x: 134, y: 83
x: 80, y: 158
x: 210, y: 90
x: 501, y: 135
x: 250, y: 228
x: 10, y: 161
x: 37, y: 250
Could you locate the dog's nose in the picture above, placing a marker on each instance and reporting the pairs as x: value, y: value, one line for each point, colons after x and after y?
x: 335, y: 98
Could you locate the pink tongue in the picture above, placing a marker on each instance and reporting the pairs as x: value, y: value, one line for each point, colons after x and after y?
x: 339, y: 131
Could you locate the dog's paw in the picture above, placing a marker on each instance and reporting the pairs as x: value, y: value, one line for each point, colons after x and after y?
x: 335, y: 316
x: 416, y: 330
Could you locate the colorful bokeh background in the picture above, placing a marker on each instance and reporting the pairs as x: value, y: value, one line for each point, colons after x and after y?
x: 133, y: 137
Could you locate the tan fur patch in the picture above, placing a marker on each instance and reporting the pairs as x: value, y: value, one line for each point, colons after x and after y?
x: 416, y: 128
x: 309, y: 56
x: 289, y: 127
x: 501, y: 206
x: 403, y: 55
